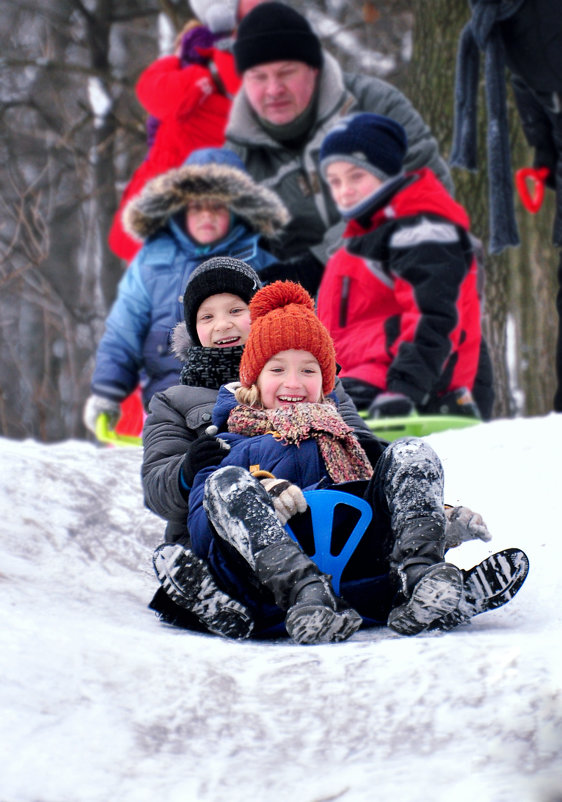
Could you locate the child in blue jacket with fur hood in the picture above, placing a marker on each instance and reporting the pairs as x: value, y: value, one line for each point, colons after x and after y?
x: 283, y: 434
x: 208, y: 207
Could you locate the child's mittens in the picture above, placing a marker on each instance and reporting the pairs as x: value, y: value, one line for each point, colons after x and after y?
x: 463, y: 524
x: 288, y: 499
x: 97, y: 405
x: 391, y: 405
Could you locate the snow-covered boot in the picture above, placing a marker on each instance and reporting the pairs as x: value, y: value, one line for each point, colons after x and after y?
x: 188, y: 581
x: 429, y: 587
x: 490, y: 584
x: 314, y: 613
x: 242, y: 513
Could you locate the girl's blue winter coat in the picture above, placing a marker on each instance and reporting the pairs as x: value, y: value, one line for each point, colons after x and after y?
x: 301, y: 465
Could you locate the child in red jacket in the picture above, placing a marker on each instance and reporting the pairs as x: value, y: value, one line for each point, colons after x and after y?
x: 400, y: 297
x: 187, y: 96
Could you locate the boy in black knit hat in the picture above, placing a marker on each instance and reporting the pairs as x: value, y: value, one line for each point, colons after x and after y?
x: 178, y: 442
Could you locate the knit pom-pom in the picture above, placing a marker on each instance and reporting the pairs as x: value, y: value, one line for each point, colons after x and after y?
x: 278, y: 295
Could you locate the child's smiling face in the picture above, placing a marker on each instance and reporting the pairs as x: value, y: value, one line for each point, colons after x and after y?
x: 290, y: 377
x: 223, y: 321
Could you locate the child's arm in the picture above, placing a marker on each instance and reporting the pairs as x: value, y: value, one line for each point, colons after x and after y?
x: 119, y: 355
x: 428, y: 277
x: 165, y: 88
x: 166, y: 439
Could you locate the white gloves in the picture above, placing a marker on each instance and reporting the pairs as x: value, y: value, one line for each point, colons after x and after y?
x: 97, y: 405
x: 463, y: 524
x: 288, y: 499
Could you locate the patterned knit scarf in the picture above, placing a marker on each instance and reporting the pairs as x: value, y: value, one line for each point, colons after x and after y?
x: 211, y: 367
x: 344, y: 458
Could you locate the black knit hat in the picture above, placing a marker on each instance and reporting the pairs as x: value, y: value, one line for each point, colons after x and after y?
x: 371, y: 141
x: 275, y: 32
x: 217, y: 275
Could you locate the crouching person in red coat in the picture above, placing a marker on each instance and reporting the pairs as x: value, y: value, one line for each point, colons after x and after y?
x: 400, y: 298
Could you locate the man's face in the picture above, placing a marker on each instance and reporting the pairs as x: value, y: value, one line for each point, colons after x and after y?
x: 279, y: 92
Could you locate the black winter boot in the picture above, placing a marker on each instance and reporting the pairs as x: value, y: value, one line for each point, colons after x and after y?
x: 488, y: 585
x: 315, y: 614
x: 188, y: 581
x: 429, y: 587
x: 242, y: 513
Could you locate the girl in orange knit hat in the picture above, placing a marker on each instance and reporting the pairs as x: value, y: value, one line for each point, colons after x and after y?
x: 284, y: 434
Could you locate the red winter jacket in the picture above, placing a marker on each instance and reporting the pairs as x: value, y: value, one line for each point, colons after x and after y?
x: 192, y: 106
x: 400, y: 298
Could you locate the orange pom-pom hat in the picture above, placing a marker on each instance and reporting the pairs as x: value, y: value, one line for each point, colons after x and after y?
x: 283, y: 319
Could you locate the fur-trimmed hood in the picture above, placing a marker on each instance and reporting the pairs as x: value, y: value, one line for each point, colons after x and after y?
x: 181, y: 341
x: 166, y: 195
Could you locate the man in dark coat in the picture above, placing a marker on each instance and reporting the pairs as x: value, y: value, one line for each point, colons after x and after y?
x: 293, y: 92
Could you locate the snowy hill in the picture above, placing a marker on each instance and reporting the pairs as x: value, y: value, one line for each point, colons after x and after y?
x: 102, y: 702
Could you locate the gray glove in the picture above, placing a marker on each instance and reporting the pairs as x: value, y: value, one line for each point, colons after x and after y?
x: 463, y: 524
x: 97, y: 405
x: 288, y: 499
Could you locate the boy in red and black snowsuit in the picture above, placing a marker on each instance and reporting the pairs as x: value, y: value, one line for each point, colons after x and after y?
x: 400, y: 298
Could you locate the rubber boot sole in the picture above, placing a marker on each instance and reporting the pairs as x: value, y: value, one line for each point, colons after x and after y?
x: 189, y: 583
x: 314, y: 623
x: 489, y: 585
x: 437, y: 594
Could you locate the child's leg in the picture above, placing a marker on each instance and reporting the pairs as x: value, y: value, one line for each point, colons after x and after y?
x: 406, y: 493
x: 243, y: 515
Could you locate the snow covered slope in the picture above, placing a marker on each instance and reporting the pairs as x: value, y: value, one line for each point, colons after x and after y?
x: 99, y: 701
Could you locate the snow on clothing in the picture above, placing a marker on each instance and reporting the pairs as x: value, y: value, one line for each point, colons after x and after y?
x: 408, y: 482
x: 293, y: 171
x: 192, y: 104
x: 400, y: 298
x: 149, y: 302
x: 181, y: 413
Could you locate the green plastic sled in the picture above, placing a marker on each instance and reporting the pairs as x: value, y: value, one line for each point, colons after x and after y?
x: 105, y: 434
x: 416, y: 425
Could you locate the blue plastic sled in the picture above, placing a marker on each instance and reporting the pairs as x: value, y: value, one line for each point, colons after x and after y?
x: 323, y: 505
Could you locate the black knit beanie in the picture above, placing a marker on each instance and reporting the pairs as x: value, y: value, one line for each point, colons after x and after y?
x: 275, y: 32
x: 371, y: 141
x: 216, y: 275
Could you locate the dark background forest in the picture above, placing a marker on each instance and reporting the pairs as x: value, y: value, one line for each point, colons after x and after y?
x: 72, y: 132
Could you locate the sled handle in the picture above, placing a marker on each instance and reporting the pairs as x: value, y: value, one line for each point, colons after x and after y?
x: 105, y: 434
